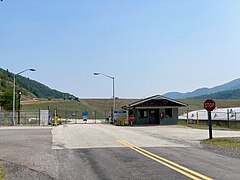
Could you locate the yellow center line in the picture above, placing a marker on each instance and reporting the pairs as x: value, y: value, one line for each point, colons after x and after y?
x: 185, y: 171
x: 170, y: 162
x: 161, y: 162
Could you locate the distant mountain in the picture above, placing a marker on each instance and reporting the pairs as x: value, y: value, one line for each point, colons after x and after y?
x: 29, y: 87
x: 235, y: 84
x: 230, y: 94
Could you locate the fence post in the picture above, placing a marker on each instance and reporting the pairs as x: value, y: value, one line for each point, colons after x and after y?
x: 197, y: 119
x: 187, y: 117
x: 39, y: 117
x: 95, y: 116
x: 235, y: 120
x: 49, y: 115
x: 228, y: 118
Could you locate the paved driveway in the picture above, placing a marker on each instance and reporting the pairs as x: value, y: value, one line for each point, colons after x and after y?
x: 100, y: 151
x: 146, y: 136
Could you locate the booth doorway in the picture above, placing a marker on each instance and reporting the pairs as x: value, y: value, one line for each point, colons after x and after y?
x: 154, y: 116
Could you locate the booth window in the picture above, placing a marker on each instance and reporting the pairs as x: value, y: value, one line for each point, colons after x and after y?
x: 143, y: 114
x: 168, y: 113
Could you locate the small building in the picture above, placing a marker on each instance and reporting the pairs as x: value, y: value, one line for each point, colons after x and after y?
x: 155, y: 110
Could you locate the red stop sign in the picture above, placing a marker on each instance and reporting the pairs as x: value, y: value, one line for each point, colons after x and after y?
x: 209, y: 105
x: 131, y: 118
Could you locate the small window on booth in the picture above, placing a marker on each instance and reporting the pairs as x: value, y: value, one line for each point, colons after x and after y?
x: 143, y: 114
x: 168, y: 113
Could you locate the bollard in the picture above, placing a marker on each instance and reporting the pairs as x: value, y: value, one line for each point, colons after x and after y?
x: 55, y: 119
x: 197, y: 120
x: 122, y: 121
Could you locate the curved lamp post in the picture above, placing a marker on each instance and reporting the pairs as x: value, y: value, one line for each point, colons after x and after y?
x: 114, y: 105
x: 14, y: 89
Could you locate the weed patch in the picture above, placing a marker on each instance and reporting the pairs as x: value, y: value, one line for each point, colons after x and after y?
x: 2, y: 172
x: 230, y: 142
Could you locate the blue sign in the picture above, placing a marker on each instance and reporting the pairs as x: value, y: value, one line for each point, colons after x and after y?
x: 85, y: 115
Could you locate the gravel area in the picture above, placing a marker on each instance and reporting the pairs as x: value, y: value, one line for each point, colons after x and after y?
x: 19, y: 172
x: 225, y: 151
x: 26, y: 153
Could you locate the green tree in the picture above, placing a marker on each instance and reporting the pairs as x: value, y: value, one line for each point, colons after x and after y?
x: 3, y: 84
x: 6, y: 100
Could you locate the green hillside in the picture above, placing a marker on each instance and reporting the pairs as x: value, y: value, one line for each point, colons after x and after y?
x: 234, y: 84
x: 230, y: 94
x: 29, y: 87
x: 101, y: 107
x: 64, y: 107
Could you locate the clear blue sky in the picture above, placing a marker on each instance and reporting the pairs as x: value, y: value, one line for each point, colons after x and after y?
x: 149, y: 46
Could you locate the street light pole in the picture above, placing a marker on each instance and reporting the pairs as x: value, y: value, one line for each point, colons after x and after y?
x: 14, y: 79
x: 114, y: 103
x: 19, y: 106
x: 111, y: 77
x: 14, y: 89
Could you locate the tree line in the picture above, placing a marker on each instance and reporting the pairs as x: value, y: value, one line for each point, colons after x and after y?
x: 28, y: 88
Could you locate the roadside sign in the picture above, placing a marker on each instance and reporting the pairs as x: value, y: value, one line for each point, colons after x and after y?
x: 85, y: 115
x: 209, y: 105
x: 119, y: 114
x: 131, y: 118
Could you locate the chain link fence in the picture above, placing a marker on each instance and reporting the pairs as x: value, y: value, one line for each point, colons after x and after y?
x: 75, y: 116
x: 79, y: 114
x: 45, y: 117
x: 23, y: 117
x: 229, y: 118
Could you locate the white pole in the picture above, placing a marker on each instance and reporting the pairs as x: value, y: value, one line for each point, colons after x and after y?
x: 14, y: 79
x: 14, y: 89
x: 114, y: 104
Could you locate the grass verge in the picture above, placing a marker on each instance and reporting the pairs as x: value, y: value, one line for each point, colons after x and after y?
x: 2, y: 172
x: 230, y: 142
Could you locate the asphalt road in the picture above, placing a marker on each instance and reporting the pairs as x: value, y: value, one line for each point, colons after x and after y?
x: 99, y: 151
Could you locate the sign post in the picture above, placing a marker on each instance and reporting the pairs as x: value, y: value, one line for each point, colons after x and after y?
x: 74, y: 115
x: 209, y: 105
x: 131, y: 119
x: 85, y: 116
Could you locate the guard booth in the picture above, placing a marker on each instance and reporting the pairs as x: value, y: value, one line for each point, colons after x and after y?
x: 156, y: 109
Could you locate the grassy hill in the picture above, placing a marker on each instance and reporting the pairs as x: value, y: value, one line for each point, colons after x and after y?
x: 102, y: 106
x: 28, y: 87
x: 65, y: 107
x: 105, y: 104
